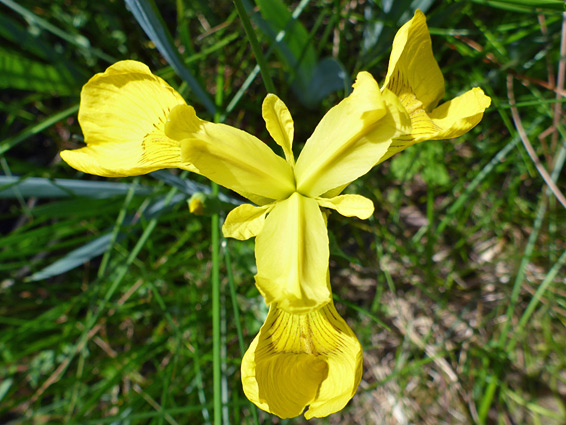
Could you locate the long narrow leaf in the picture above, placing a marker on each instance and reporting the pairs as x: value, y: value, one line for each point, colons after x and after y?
x: 74, y: 258
x: 150, y: 20
x: 10, y: 142
x: 39, y: 187
x: 19, y: 72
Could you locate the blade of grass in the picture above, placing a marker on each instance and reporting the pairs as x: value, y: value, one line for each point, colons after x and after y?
x: 76, y: 40
x: 249, y: 80
x: 215, y: 279
x: 267, y: 81
x: 549, y: 279
x: 149, y: 18
x: 32, y: 130
x: 39, y: 187
x: 116, y: 230
x: 236, y: 312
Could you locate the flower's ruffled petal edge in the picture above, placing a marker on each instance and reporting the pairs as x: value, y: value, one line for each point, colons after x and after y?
x: 349, y: 205
x: 231, y: 157
x: 292, y: 256
x: 245, y: 221
x: 300, y: 360
x: 122, y: 114
x: 350, y: 139
x: 412, y: 67
x: 279, y: 124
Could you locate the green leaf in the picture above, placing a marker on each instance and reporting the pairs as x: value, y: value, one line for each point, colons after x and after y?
x: 295, y: 49
x: 147, y: 15
x: 311, y: 80
x: 405, y: 165
x: 74, y: 258
x: 21, y: 73
x: 10, y: 142
x: 427, y: 159
x: 525, y: 5
x: 5, y: 387
x: 39, y: 187
x: 383, y: 22
x: 329, y: 76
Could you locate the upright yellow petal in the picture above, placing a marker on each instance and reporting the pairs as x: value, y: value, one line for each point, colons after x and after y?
x: 279, y: 124
x: 412, y: 67
x: 122, y: 114
x: 231, y: 157
x: 292, y: 256
x: 349, y: 205
x: 245, y: 221
x: 350, y: 139
x: 300, y: 360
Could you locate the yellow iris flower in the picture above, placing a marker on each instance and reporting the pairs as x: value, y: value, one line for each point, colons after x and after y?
x: 414, y: 76
x: 305, y: 355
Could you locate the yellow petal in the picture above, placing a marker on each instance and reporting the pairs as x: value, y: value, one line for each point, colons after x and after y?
x: 459, y: 115
x: 350, y: 139
x: 349, y: 205
x: 449, y: 120
x: 245, y: 221
x: 300, y: 360
x: 122, y: 114
x: 412, y: 67
x: 279, y: 124
x: 231, y: 157
x: 292, y: 256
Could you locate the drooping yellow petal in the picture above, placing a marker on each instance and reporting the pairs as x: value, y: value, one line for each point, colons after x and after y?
x: 412, y: 68
x: 122, y: 114
x: 300, y: 360
x: 279, y: 124
x: 451, y: 119
x: 459, y: 115
x: 231, y: 157
x: 292, y: 256
x: 349, y: 205
x: 350, y: 139
x: 245, y: 221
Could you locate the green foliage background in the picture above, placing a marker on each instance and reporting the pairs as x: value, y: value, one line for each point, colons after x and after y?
x: 456, y: 287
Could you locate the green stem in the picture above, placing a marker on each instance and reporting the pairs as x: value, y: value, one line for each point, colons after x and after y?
x: 216, y: 313
x: 267, y: 81
x: 216, y: 371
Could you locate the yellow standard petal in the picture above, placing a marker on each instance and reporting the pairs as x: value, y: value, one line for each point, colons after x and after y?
x: 231, y: 157
x: 122, y: 114
x: 292, y: 256
x: 349, y: 205
x: 412, y: 70
x: 245, y: 221
x: 350, y: 139
x: 304, y: 360
x: 279, y: 124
